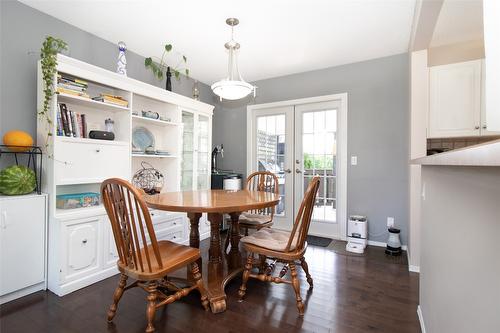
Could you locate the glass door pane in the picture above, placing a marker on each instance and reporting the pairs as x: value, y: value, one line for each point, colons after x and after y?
x: 319, y: 157
x: 203, y: 167
x: 271, y: 152
x: 187, y: 151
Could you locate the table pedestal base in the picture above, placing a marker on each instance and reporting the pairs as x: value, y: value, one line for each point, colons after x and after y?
x: 217, y: 268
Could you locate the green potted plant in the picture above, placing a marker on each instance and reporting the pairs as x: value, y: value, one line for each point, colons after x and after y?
x: 50, y: 48
x: 160, y: 68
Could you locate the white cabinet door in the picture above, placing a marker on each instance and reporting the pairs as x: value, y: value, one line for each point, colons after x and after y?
x: 485, y: 131
x: 455, y: 100
x: 491, y: 19
x: 83, y: 247
x: 22, y: 242
x: 90, y: 162
x: 196, y: 151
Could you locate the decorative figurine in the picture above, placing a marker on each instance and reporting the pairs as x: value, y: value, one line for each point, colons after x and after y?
x: 196, y: 91
x: 122, y: 61
x: 169, y: 81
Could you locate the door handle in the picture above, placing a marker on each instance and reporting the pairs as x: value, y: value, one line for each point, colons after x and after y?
x: 298, y: 170
x: 288, y: 171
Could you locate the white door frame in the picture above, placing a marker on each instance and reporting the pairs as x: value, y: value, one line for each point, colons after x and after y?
x: 342, y: 148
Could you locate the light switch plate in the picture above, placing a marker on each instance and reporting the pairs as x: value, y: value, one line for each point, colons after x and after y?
x: 354, y: 160
x: 390, y: 222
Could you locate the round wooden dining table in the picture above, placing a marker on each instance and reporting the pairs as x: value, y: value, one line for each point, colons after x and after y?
x: 220, y: 267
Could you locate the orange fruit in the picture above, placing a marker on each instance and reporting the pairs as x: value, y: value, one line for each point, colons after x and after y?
x: 15, y: 140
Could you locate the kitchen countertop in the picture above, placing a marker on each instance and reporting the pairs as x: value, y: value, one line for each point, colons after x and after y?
x: 484, y: 154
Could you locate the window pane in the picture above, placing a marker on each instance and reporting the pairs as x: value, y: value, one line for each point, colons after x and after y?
x: 319, y: 121
x: 319, y: 143
x: 331, y: 120
x: 307, y: 122
x: 280, y: 124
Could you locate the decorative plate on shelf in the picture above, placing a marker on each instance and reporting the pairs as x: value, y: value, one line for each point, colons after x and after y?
x: 142, y: 138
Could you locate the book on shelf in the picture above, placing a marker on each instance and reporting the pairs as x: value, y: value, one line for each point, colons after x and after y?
x: 70, y: 123
x: 71, y: 86
x: 62, y: 90
x: 111, y: 99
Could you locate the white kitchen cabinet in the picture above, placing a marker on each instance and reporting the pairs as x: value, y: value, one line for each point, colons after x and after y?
x: 455, y: 100
x: 22, y: 245
x: 491, y: 19
x: 485, y: 129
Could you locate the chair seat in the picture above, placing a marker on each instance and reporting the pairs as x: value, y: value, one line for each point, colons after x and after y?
x: 271, y: 239
x: 254, y: 219
x: 173, y: 257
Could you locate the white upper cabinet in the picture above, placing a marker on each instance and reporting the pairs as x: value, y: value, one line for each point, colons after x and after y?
x: 455, y: 100
x: 491, y: 19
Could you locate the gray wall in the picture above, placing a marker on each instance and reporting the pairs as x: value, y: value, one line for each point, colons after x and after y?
x: 378, y: 127
x: 460, y: 244
x: 22, y: 31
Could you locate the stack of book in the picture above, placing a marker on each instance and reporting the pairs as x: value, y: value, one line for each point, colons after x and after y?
x: 70, y: 123
x: 111, y: 99
x: 71, y: 86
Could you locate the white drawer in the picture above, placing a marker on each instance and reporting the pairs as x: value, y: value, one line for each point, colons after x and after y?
x: 171, y: 234
x: 90, y: 162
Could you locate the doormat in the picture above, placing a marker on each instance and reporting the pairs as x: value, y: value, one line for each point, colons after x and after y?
x: 374, y: 253
x: 318, y: 241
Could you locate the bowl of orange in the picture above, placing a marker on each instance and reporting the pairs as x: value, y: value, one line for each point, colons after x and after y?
x: 17, y: 141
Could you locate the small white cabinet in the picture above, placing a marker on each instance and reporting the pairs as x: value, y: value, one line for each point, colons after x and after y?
x: 457, y: 101
x: 22, y: 245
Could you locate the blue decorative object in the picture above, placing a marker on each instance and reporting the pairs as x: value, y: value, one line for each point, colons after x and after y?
x: 142, y: 138
x: 121, y: 65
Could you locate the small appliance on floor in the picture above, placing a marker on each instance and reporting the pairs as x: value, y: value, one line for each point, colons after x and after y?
x: 357, y: 231
x: 393, y: 243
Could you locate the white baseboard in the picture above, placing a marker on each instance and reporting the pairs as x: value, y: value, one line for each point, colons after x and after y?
x: 412, y: 268
x: 21, y: 293
x: 382, y: 244
x: 421, y: 319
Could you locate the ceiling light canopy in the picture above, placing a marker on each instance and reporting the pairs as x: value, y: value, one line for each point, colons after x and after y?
x: 233, y: 87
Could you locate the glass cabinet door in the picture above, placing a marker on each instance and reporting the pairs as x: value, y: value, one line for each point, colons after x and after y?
x: 203, y: 162
x: 188, y: 150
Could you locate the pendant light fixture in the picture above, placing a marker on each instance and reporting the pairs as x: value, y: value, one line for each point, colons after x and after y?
x: 233, y: 87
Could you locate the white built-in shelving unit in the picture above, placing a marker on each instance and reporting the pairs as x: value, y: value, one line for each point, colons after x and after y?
x: 81, y: 248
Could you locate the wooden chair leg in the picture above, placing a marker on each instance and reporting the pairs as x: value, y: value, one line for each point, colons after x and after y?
x: 151, y: 308
x: 262, y: 263
x: 246, y: 275
x: 296, y: 288
x: 199, y: 285
x: 117, y: 296
x: 305, y: 267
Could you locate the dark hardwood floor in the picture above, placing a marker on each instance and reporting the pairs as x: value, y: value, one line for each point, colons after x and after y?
x: 351, y: 294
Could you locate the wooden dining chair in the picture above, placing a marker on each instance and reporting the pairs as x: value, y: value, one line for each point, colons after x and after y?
x: 282, y: 246
x: 141, y: 256
x: 257, y: 219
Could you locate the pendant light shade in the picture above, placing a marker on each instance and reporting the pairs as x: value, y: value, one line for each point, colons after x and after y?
x: 233, y: 87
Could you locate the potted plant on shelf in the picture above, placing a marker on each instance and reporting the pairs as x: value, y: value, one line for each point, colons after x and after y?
x: 160, y: 68
x: 50, y: 48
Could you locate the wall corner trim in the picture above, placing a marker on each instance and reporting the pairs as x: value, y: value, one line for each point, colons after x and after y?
x: 421, y: 319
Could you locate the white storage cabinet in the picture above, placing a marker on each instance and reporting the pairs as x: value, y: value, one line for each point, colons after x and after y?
x: 23, y: 237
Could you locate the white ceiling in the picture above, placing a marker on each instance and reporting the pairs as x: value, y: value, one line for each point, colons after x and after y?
x: 458, y: 21
x: 278, y: 37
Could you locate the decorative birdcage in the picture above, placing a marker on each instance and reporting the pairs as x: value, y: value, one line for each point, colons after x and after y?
x: 149, y: 179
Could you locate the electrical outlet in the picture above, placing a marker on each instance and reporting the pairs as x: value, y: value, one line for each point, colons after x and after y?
x: 354, y: 160
x: 390, y: 222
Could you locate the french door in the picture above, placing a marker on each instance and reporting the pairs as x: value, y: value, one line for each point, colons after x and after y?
x: 296, y: 142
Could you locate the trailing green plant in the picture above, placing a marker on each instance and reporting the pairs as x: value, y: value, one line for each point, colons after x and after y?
x: 50, y: 48
x: 159, y: 66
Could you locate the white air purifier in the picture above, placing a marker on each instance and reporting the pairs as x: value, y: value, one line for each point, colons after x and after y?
x: 357, y: 234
